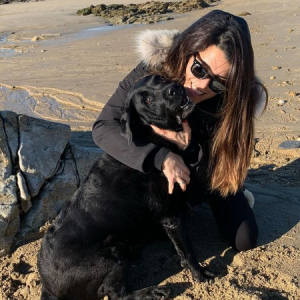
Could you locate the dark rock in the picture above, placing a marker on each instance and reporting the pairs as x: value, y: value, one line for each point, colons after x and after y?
x: 10, y: 1
x: 290, y: 145
x: 86, y: 11
x: 148, y: 12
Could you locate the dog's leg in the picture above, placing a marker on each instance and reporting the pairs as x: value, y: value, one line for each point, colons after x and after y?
x: 115, y: 286
x: 176, y: 230
x: 149, y: 293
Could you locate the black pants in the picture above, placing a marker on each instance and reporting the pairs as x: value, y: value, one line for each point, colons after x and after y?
x: 233, y: 215
x: 235, y: 220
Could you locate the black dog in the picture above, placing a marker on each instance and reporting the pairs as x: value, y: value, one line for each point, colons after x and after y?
x: 83, y: 255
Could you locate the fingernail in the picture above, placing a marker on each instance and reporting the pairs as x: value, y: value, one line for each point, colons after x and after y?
x: 185, y: 121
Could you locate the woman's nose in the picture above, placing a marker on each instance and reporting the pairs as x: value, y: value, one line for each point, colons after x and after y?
x: 203, y: 83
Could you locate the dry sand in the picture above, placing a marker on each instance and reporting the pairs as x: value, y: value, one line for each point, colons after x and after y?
x: 70, y: 73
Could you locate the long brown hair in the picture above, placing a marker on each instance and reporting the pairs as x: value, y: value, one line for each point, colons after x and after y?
x: 232, y: 143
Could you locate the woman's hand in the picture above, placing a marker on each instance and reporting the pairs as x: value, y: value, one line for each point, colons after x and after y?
x: 181, y: 139
x: 175, y: 170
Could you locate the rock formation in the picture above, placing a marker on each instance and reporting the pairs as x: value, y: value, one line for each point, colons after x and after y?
x: 143, y: 13
x: 40, y: 169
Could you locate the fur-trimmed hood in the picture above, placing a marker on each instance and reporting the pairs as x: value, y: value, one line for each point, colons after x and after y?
x: 153, y: 45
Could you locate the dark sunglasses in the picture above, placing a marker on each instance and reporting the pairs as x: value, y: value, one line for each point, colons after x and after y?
x: 215, y: 84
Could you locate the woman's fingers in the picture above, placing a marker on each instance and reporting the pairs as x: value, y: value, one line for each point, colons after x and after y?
x: 182, y: 184
x: 176, y: 171
x: 181, y: 138
x: 183, y: 180
x: 157, y: 130
x: 170, y: 186
x: 186, y: 128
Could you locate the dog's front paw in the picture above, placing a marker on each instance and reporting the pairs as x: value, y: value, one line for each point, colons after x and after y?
x: 198, y: 276
x: 202, y: 274
x: 160, y: 293
x: 152, y: 293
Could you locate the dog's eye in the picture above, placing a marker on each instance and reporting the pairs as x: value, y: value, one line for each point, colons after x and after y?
x: 146, y: 97
x: 148, y: 101
x: 162, y: 79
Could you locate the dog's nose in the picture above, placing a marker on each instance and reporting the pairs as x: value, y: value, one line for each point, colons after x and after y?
x: 174, y: 91
x: 171, y: 92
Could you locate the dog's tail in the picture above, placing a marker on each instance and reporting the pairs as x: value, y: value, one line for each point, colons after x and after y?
x: 47, y: 296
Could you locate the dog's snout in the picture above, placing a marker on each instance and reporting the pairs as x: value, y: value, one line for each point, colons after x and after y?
x: 176, y: 94
x: 171, y: 91
x: 174, y: 91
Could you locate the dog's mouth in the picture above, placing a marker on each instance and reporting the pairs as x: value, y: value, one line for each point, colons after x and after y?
x: 187, y: 107
x: 185, y: 102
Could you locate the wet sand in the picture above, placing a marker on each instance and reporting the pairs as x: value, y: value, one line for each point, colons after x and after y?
x: 69, y: 74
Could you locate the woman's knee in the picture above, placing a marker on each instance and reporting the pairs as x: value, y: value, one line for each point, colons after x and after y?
x: 236, y: 221
x: 246, y: 236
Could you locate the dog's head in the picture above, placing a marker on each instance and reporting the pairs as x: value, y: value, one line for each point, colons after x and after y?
x: 154, y: 100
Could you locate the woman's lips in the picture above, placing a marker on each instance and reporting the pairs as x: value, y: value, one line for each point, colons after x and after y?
x: 198, y: 92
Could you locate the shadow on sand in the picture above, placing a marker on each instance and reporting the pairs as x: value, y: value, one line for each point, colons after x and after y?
x: 277, y: 206
x: 277, y: 212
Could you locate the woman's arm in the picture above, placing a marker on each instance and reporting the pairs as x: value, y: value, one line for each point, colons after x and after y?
x: 144, y: 157
x: 107, y: 131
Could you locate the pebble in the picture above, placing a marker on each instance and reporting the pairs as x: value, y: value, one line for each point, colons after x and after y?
x: 276, y: 68
x: 292, y: 94
x: 290, y: 145
x: 281, y: 102
x: 37, y: 38
x: 244, y: 13
x: 272, y: 77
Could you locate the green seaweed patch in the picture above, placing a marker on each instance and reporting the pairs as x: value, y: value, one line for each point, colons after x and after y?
x: 85, y: 11
x: 148, y: 12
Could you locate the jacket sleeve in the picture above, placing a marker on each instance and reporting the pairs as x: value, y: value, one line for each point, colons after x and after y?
x: 107, y: 130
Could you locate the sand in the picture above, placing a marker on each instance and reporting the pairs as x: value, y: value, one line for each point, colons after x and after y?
x: 68, y: 73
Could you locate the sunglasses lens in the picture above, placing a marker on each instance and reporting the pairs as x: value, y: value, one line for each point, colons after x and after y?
x: 198, y: 71
x: 216, y: 86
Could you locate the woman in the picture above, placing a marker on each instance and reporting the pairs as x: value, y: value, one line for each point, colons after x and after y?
x: 213, y: 59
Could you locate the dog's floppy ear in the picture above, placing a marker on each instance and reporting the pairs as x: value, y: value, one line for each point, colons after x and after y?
x: 125, y: 124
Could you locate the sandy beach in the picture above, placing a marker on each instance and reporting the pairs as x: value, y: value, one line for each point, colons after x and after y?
x: 63, y: 67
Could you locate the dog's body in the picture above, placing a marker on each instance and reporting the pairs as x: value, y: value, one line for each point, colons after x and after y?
x: 83, y: 255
